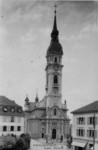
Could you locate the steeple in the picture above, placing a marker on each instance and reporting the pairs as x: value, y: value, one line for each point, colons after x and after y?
x: 27, y: 99
x: 36, y: 99
x: 55, y: 32
x: 55, y: 47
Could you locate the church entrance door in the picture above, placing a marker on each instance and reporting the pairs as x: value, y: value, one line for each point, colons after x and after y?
x: 54, y: 134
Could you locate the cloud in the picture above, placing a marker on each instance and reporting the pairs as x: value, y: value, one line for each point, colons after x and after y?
x: 20, y: 10
x: 86, y: 7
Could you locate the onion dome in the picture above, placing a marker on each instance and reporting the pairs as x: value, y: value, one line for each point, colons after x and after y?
x: 55, y: 47
x: 27, y: 100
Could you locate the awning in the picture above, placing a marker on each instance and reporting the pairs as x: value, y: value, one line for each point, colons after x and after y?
x: 96, y: 147
x: 80, y: 144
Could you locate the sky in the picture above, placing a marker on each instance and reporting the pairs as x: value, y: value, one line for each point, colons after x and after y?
x: 25, y: 28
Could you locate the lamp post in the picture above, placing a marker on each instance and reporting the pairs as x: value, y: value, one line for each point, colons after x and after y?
x: 94, y: 132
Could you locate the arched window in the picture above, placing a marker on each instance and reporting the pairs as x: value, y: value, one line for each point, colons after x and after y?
x: 55, y: 111
x: 55, y: 59
x: 55, y: 79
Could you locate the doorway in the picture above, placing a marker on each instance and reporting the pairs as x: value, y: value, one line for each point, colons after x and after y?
x: 54, y: 134
x: 42, y: 135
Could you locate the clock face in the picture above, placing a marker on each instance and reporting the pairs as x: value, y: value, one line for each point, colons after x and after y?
x: 56, y: 68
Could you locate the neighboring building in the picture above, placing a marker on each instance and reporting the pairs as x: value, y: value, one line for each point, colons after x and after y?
x: 85, y: 127
x: 48, y: 118
x: 11, y: 117
x: 70, y: 130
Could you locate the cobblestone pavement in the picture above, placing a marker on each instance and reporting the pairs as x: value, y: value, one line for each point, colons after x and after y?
x: 42, y: 145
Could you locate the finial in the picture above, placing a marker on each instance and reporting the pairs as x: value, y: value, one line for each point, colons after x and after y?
x: 54, y: 34
x: 26, y: 99
x: 55, y: 9
x: 36, y: 99
x: 36, y: 92
x: 26, y: 95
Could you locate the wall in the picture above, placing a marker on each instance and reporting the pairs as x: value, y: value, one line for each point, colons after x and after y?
x: 85, y: 126
x: 6, y: 121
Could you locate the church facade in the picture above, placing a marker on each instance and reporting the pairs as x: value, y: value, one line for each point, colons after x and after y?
x: 48, y: 117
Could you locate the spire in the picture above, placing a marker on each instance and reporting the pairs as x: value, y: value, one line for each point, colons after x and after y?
x: 36, y: 99
x: 54, y: 34
x: 27, y: 99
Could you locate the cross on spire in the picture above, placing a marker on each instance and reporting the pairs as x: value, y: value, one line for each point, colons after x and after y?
x: 55, y: 6
x: 55, y: 32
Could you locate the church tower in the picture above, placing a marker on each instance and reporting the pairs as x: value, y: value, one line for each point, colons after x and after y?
x: 48, y: 118
x: 54, y: 68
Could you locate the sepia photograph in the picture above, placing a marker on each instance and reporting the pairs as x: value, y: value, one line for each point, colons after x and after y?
x: 48, y: 75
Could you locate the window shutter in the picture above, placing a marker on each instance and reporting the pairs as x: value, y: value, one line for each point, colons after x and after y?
x: 96, y: 120
x: 77, y: 132
x: 84, y: 120
x: 95, y: 134
x: 77, y: 120
x: 87, y: 133
x: 1, y: 128
x: 83, y: 132
x: 88, y: 120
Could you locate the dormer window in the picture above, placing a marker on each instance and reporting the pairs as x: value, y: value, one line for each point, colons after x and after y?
x: 5, y: 109
x: 19, y: 110
x: 12, y: 110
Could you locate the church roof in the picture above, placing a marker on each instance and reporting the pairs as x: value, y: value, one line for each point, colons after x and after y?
x: 90, y: 108
x: 55, y: 47
x: 32, y: 105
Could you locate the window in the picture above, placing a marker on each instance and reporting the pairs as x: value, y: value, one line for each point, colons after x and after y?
x: 18, y: 128
x: 90, y: 120
x: 55, y: 111
x: 54, y: 123
x: 91, y: 133
x: 55, y: 59
x: 81, y: 120
x: 4, y: 128
x: 55, y: 79
x: 12, y: 119
x: 80, y: 132
x: 12, y: 128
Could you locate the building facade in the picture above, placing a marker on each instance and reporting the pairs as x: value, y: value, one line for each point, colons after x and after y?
x: 48, y: 117
x: 85, y: 127
x: 11, y: 117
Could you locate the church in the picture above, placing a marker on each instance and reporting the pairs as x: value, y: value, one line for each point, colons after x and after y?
x: 47, y: 118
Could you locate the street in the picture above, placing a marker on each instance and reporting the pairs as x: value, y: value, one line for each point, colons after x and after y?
x: 41, y: 145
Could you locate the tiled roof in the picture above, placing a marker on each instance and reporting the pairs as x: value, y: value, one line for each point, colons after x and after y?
x: 6, y: 106
x: 31, y: 105
x: 90, y: 108
x: 4, y: 101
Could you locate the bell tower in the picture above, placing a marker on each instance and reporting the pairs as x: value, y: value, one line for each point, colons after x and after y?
x: 54, y: 68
